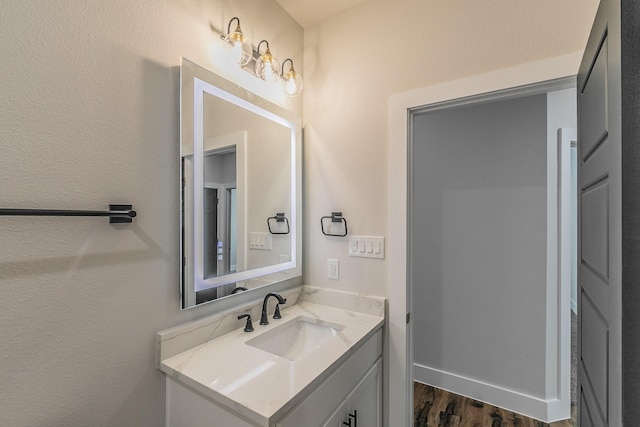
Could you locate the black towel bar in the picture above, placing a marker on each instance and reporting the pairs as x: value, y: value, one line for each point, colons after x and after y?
x: 118, y: 214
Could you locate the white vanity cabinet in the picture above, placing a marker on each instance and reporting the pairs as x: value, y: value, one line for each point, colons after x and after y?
x: 353, y: 385
x: 313, y: 367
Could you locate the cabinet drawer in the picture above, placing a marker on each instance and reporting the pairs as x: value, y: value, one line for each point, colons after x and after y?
x: 323, y: 401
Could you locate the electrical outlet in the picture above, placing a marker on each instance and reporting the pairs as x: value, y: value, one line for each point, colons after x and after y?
x: 333, y: 270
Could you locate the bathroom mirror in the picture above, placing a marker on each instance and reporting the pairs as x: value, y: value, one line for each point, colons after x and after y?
x: 241, y: 185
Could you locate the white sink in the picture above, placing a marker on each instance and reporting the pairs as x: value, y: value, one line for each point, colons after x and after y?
x: 296, y: 338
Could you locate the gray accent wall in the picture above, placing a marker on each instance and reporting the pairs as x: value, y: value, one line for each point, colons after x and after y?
x: 479, y: 223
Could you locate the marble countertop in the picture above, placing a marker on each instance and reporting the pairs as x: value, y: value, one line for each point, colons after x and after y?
x: 257, y: 384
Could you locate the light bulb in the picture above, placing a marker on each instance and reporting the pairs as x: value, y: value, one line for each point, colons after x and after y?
x: 292, y: 81
x: 290, y: 87
x: 241, y: 49
x: 267, y: 66
x: 269, y: 75
x: 238, y: 52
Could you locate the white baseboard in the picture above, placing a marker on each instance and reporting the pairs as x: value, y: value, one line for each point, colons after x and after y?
x: 534, y: 407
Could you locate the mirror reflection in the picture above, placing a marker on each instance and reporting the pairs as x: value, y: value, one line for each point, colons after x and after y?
x: 220, y: 212
x: 241, y: 183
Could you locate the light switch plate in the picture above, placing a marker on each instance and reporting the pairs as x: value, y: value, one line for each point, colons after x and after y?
x: 366, y: 246
x: 259, y: 240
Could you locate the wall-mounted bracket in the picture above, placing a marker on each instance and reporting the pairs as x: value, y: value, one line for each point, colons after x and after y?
x: 335, y: 217
x: 279, y: 218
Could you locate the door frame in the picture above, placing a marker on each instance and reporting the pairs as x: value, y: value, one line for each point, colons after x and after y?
x: 555, y: 404
x: 398, y: 370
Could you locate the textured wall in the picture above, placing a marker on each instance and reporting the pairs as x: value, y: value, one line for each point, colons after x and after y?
x: 89, y: 116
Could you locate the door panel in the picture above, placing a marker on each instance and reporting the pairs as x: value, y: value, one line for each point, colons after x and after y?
x: 595, y: 104
x: 586, y: 420
x: 595, y: 228
x: 600, y: 240
x: 594, y: 351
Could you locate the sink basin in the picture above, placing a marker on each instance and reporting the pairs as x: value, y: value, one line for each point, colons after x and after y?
x: 296, y: 338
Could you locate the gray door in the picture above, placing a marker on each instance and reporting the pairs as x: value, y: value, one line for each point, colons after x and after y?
x: 210, y: 232
x: 600, y: 223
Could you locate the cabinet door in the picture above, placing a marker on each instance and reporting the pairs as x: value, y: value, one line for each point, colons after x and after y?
x: 363, y: 406
x: 338, y: 416
x: 314, y: 410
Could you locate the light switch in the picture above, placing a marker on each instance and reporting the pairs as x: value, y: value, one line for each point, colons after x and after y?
x: 366, y: 246
x: 259, y: 240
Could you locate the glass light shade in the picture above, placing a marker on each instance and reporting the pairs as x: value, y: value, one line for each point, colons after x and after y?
x: 241, y: 48
x: 268, y: 67
x: 292, y: 83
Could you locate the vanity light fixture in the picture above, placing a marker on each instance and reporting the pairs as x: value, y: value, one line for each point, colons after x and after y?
x: 242, y: 50
x: 267, y: 66
x: 292, y: 81
x: 261, y: 64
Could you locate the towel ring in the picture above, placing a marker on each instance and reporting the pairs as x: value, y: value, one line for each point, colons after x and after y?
x: 279, y: 217
x: 335, y: 217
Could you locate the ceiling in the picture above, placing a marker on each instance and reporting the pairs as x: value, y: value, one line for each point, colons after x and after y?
x: 309, y: 12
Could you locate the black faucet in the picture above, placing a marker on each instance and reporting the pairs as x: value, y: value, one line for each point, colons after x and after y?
x: 249, y: 326
x: 263, y: 318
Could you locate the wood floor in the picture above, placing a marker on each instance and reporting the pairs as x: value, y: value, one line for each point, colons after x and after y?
x: 438, y: 408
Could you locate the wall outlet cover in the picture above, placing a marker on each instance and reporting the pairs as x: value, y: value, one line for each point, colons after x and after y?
x: 333, y: 269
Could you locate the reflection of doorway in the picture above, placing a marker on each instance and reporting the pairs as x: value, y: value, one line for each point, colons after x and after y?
x: 219, y: 212
x: 210, y: 232
x: 219, y: 219
x: 233, y: 227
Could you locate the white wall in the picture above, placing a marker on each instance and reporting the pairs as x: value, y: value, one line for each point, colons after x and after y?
x: 356, y: 60
x: 90, y: 116
x: 353, y: 63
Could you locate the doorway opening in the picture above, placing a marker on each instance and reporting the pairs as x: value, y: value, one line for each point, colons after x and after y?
x: 490, y: 234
